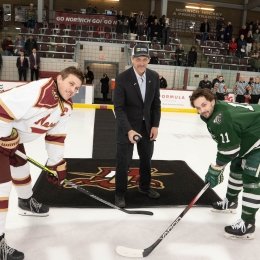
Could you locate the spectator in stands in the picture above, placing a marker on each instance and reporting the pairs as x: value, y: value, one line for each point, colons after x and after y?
x: 249, y: 42
x: 132, y: 23
x: 112, y: 9
x: 232, y: 47
x: 219, y: 25
x: 22, y: 65
x: 205, y: 83
x: 154, y: 58
x: 241, y: 46
x: 30, y: 44
x: 221, y: 34
x: 215, y: 80
x: 164, y: 25
x: 156, y: 31
x: 192, y: 57
x: 89, y: 9
x: 240, y: 90
x: 89, y: 75
x: 31, y: 17
x: 150, y: 22
x: 120, y: 26
x: 179, y: 53
x: 104, y: 86
x: 140, y: 24
x: 18, y: 44
x: 249, y: 27
x: 204, y: 29
x: 228, y: 32
x: 1, y: 61
x: 243, y: 30
x: 220, y: 88
x: 255, y: 91
x: 34, y: 59
x: 251, y: 81
x: 163, y: 82
x: 256, y: 25
x: 256, y: 38
x: 8, y: 46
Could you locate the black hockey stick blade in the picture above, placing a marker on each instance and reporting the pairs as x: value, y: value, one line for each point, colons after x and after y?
x: 135, y: 253
x: 87, y: 192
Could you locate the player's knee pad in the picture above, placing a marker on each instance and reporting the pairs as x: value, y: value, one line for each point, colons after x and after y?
x: 251, y: 164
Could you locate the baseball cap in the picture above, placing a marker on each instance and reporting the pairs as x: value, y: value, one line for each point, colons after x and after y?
x: 140, y: 50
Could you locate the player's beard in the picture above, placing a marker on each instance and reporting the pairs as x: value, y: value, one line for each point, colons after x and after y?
x: 207, y: 114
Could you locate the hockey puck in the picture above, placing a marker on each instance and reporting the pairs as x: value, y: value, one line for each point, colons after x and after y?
x: 137, y: 138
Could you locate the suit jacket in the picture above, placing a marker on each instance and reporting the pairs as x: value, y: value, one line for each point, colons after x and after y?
x: 34, y: 62
x: 130, y: 109
x: 21, y: 65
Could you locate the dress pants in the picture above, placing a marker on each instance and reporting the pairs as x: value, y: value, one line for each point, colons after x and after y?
x: 124, y: 156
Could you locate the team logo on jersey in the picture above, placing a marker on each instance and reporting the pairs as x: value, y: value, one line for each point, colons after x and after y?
x: 43, y: 125
x: 105, y: 178
x: 217, y: 120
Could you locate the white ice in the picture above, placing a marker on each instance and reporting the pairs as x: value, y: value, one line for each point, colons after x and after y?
x: 93, y: 234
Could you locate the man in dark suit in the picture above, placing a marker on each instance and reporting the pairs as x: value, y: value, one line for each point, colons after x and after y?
x: 138, y: 111
x: 22, y: 65
x: 34, y: 59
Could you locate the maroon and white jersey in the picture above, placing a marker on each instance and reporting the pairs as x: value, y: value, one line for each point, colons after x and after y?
x: 36, y: 109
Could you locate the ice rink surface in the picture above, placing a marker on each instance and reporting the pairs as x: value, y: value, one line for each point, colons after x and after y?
x: 93, y: 234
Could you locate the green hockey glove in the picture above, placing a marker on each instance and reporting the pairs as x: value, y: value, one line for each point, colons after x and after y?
x: 214, y: 175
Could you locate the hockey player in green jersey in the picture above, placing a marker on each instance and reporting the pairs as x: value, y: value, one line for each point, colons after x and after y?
x: 236, y: 129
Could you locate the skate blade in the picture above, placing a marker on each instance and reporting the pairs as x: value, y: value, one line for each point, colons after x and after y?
x: 225, y: 211
x: 32, y: 214
x: 249, y: 236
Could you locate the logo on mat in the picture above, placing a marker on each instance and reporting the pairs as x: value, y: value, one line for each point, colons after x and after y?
x: 105, y: 178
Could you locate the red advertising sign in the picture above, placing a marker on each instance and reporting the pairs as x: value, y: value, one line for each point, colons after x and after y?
x: 85, y: 19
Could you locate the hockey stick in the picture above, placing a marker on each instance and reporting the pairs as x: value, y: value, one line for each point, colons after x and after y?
x: 80, y: 189
x: 132, y: 252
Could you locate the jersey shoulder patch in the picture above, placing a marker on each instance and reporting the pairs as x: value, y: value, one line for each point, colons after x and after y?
x: 48, y: 96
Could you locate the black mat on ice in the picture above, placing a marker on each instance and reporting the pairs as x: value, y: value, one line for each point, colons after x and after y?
x: 104, y: 143
x: 175, y: 181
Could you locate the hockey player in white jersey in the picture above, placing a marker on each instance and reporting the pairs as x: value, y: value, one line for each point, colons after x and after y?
x: 38, y: 108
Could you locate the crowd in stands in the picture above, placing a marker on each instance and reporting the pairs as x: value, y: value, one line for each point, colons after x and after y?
x: 13, y: 48
x: 165, y: 47
x: 245, y: 91
x: 245, y: 45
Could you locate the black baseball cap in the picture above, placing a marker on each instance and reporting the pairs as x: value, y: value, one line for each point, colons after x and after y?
x: 140, y: 50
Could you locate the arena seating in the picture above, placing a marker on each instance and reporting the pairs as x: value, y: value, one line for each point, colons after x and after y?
x: 218, y: 58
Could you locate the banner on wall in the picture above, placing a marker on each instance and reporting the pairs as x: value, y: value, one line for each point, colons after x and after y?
x: 175, y: 98
x: 195, y: 14
x: 83, y: 19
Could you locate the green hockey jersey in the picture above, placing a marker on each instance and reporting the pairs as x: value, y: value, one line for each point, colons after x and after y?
x: 236, y: 129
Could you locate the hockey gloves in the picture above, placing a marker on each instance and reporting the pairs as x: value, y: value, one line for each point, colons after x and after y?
x: 59, y: 173
x: 214, y: 175
x: 9, y: 144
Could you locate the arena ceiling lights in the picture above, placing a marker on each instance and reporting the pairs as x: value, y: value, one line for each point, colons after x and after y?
x: 199, y: 8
